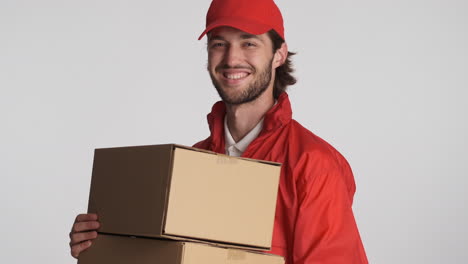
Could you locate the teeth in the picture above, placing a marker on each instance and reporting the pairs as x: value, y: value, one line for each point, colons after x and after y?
x: 236, y: 76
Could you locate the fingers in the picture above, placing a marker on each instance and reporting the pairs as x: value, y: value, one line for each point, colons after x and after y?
x: 76, y: 238
x: 85, y: 226
x: 86, y: 217
x: 85, y: 222
x: 78, y: 248
x: 79, y: 238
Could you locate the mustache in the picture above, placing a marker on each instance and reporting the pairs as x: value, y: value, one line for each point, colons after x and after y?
x: 227, y: 67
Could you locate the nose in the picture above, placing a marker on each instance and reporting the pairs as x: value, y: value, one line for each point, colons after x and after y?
x: 233, y: 56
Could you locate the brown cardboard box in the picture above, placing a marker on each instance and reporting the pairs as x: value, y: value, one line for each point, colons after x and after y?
x: 177, y: 192
x: 111, y: 249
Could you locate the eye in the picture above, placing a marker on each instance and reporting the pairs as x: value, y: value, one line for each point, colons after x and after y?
x: 217, y: 45
x: 249, y: 44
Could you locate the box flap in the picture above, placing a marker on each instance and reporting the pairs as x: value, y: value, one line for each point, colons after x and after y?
x: 216, y: 153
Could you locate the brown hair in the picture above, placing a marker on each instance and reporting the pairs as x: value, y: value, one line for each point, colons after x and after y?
x: 283, y: 76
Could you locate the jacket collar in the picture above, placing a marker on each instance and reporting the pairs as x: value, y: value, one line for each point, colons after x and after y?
x: 279, y: 115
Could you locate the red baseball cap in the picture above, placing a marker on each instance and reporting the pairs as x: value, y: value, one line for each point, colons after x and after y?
x: 251, y: 16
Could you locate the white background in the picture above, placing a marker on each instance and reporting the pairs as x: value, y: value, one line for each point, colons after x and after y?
x: 385, y: 82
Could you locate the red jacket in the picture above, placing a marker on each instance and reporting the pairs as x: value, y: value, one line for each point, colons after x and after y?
x: 314, y: 222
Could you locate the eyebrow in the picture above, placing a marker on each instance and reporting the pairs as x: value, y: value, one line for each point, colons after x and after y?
x: 210, y: 38
x: 243, y: 36
x: 249, y: 36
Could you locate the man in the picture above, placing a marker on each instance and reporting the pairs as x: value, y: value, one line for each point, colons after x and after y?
x: 249, y: 65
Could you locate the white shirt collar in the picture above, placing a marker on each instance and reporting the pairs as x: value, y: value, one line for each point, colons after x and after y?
x: 233, y: 148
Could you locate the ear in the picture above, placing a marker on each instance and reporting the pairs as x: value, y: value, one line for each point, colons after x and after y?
x: 280, y: 55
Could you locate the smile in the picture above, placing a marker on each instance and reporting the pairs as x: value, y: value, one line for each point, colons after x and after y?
x: 235, y: 76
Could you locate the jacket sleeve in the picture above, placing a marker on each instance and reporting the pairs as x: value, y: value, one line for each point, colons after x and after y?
x: 325, y: 231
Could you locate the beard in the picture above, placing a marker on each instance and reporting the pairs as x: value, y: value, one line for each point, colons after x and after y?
x: 253, y: 91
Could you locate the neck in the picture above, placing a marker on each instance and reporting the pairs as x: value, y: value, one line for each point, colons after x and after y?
x: 241, y: 119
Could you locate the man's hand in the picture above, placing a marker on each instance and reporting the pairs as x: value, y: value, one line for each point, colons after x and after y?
x: 84, y: 230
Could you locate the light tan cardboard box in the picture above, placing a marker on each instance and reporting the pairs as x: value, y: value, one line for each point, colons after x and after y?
x: 111, y: 249
x: 178, y: 192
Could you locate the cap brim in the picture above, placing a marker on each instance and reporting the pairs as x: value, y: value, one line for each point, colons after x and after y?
x: 249, y: 26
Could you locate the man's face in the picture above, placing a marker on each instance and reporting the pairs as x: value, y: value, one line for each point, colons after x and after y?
x: 240, y: 64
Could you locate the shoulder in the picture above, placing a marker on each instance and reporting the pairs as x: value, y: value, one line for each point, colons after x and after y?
x: 315, y: 160
x: 309, y: 144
